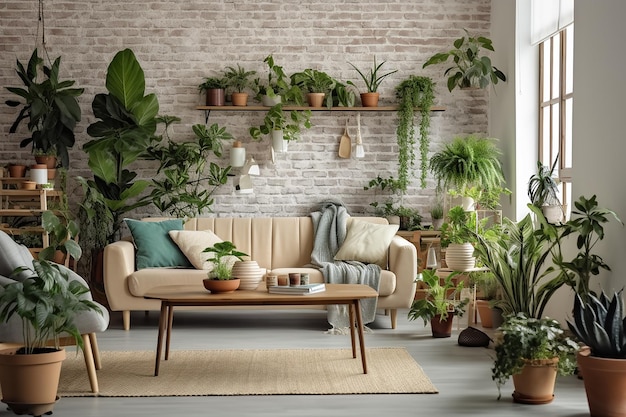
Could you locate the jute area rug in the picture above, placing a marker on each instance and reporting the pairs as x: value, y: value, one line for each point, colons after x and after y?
x: 248, y: 372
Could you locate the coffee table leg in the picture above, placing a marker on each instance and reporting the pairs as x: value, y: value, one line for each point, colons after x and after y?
x: 162, y: 324
x: 168, y: 335
x: 352, y: 325
x: 359, y: 322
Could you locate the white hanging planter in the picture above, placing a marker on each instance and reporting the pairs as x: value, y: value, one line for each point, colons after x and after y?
x: 278, y: 143
x: 553, y: 213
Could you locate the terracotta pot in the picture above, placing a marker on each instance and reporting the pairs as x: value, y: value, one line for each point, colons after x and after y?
x: 441, y: 328
x: 221, y: 286
x: 30, y: 382
x: 52, y: 173
x: 485, y: 312
x: 28, y: 185
x: 215, y: 97
x: 535, y: 384
x: 49, y: 160
x: 605, y: 383
x: 17, y: 171
x: 240, y: 99
x: 315, y: 99
x: 369, y: 99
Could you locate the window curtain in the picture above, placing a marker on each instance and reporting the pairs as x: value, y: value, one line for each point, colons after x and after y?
x: 548, y: 17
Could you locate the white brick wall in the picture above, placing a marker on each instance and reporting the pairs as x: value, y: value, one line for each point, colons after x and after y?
x: 180, y: 42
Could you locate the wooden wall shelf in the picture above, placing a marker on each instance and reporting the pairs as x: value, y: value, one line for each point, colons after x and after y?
x: 318, y: 109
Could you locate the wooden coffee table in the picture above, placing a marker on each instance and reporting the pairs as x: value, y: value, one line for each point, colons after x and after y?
x: 196, y: 296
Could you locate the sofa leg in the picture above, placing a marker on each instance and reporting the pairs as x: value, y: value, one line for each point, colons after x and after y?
x: 126, y: 319
x: 89, y: 363
x: 95, y: 350
x: 394, y: 318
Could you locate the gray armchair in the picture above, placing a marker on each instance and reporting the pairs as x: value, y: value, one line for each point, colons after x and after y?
x: 13, y: 255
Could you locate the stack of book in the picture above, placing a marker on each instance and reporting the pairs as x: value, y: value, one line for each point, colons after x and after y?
x: 297, y: 289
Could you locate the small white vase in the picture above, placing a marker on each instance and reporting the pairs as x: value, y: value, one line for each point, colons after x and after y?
x: 467, y: 203
x: 249, y: 273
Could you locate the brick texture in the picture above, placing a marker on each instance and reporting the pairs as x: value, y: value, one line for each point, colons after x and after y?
x: 180, y: 42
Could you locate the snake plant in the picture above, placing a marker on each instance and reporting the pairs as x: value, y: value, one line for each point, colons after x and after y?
x: 599, y: 323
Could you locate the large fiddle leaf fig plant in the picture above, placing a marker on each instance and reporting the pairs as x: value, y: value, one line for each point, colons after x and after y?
x: 125, y: 128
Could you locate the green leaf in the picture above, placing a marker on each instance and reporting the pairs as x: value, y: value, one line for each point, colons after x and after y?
x: 125, y: 78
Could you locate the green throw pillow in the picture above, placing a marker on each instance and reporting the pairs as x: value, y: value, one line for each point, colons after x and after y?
x: 154, y: 247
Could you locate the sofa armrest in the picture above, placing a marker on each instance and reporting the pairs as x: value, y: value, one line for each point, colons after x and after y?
x: 119, y: 263
x: 403, y: 263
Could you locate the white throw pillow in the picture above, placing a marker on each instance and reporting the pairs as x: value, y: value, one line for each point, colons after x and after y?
x: 367, y: 242
x: 193, y: 242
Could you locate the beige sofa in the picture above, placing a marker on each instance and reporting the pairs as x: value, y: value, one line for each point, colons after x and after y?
x: 280, y: 244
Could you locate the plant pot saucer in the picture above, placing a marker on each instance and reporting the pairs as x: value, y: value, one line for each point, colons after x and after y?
x: 33, y: 409
x: 519, y: 398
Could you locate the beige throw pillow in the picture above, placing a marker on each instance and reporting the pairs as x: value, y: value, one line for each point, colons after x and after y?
x: 193, y: 242
x: 367, y: 242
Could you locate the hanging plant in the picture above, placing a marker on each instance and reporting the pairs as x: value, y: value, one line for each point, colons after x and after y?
x: 414, y: 93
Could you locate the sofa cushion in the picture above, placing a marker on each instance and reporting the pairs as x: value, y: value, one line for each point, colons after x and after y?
x: 154, y: 247
x: 367, y: 242
x: 193, y: 242
x: 141, y: 282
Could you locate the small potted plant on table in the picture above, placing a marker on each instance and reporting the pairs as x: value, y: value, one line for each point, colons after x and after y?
x: 532, y: 351
x: 220, y: 279
x: 440, y: 304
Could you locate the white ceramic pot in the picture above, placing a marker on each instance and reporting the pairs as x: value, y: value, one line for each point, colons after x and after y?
x: 553, y: 214
x: 467, y: 203
x: 278, y: 143
x: 459, y: 256
x: 270, y: 101
x: 249, y: 273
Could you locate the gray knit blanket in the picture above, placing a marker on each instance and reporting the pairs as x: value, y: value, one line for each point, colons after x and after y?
x: 329, y: 225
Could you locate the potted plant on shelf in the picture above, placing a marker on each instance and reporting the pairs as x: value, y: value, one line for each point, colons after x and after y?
x: 220, y: 278
x: 470, y: 68
x: 317, y: 85
x: 343, y: 95
x: 532, y: 351
x: 457, y: 239
x: 543, y: 191
x: 62, y: 234
x: 372, y: 82
x: 436, y: 214
x: 215, y: 89
x: 599, y: 323
x: 415, y: 94
x: 277, y: 89
x: 47, y: 304
x: 467, y: 164
x: 51, y: 108
x: 441, y: 303
x: 239, y: 80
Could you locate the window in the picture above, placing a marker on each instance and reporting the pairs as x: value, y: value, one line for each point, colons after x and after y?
x: 556, y: 100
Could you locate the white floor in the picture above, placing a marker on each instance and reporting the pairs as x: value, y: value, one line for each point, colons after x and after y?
x: 462, y: 375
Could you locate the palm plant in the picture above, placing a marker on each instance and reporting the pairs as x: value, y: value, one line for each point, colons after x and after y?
x: 239, y: 78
